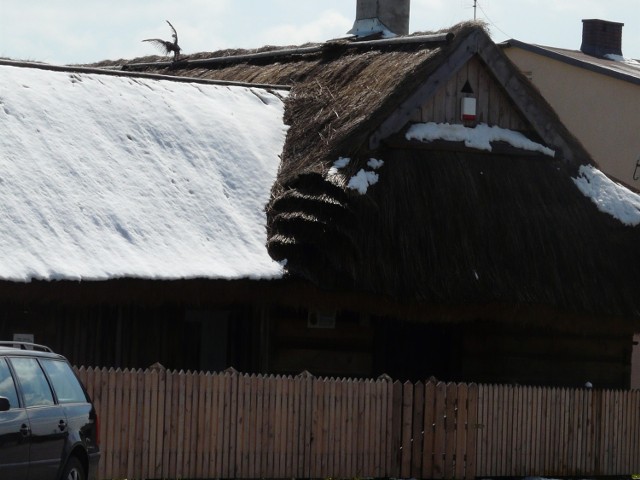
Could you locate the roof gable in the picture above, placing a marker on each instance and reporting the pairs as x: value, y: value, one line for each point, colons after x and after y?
x: 505, y: 98
x: 494, y: 107
x: 107, y: 176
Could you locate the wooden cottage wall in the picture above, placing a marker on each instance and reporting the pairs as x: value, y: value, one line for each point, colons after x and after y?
x: 493, y: 105
x: 531, y: 355
x: 343, y: 349
x: 179, y: 337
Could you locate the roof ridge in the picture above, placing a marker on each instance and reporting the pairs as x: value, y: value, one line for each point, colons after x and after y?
x: 331, y: 45
x: 124, y: 73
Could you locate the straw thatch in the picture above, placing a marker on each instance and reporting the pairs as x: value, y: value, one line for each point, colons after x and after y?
x: 442, y: 226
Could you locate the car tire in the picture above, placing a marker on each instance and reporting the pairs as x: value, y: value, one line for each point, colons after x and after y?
x: 73, y: 470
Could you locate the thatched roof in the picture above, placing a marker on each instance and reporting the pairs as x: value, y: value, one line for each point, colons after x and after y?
x: 443, y: 226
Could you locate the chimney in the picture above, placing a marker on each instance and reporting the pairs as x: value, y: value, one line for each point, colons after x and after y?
x: 600, y: 38
x: 381, y: 16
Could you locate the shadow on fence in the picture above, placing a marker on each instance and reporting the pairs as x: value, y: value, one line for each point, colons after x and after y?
x: 167, y: 424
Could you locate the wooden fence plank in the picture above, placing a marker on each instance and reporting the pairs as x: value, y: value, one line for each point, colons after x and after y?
x: 428, y: 428
x: 206, y: 408
x: 451, y: 393
x: 366, y: 457
x: 111, y: 446
x: 492, y: 431
x: 358, y: 426
x: 417, y: 430
x: 407, y: 424
x: 461, y: 431
x: 523, y: 429
x: 292, y: 427
x: 350, y: 431
x: 388, y: 466
x: 396, y: 442
x: 439, y: 443
x: 507, y: 432
x: 255, y: 426
x: 298, y: 426
x: 481, y: 442
x: 375, y: 430
x: 340, y: 432
x: 635, y: 409
x: 129, y: 444
x: 473, y: 429
x: 308, y: 422
x: 214, y: 438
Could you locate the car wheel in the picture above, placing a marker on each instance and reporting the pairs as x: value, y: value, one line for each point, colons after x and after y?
x: 73, y: 470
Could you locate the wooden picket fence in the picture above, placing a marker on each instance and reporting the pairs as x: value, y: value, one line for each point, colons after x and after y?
x: 167, y: 424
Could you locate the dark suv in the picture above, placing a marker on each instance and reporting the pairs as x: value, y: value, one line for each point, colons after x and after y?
x: 49, y: 429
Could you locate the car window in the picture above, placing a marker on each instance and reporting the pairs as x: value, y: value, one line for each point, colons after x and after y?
x: 35, y: 388
x: 7, y: 385
x: 65, y: 383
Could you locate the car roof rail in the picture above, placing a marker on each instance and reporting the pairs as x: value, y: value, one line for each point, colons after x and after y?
x: 25, y: 345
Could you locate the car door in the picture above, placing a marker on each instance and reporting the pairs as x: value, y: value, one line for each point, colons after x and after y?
x: 14, y: 430
x: 47, y: 419
x: 72, y: 397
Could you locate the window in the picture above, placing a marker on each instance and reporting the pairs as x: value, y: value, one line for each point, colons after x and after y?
x: 35, y: 388
x: 65, y: 383
x: 7, y: 385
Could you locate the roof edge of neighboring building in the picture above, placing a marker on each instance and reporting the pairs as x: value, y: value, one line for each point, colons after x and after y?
x: 554, y: 55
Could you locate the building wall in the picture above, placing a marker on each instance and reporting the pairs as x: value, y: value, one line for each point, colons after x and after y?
x: 601, y: 111
x: 127, y: 336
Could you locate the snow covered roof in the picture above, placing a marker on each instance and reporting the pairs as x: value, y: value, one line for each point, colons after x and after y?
x: 108, y: 176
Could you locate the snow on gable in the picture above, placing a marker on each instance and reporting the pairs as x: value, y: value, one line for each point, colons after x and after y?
x: 609, y: 196
x: 105, y: 177
x: 479, y: 137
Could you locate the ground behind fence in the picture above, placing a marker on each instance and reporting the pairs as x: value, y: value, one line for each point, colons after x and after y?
x: 168, y: 424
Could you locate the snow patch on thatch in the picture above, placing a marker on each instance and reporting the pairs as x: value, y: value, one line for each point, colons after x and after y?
x: 610, y: 197
x: 479, y: 137
x: 362, y: 180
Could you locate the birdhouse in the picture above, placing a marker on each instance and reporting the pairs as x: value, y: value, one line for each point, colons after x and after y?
x: 468, y: 109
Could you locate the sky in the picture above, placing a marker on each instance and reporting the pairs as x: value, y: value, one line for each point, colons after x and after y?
x: 85, y: 31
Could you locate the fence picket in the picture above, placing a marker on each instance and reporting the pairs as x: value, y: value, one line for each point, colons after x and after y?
x: 451, y: 393
x: 461, y: 430
x: 109, y: 385
x: 396, y: 434
x: 472, y: 432
x: 407, y: 422
x: 418, y: 429
x: 440, y: 433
